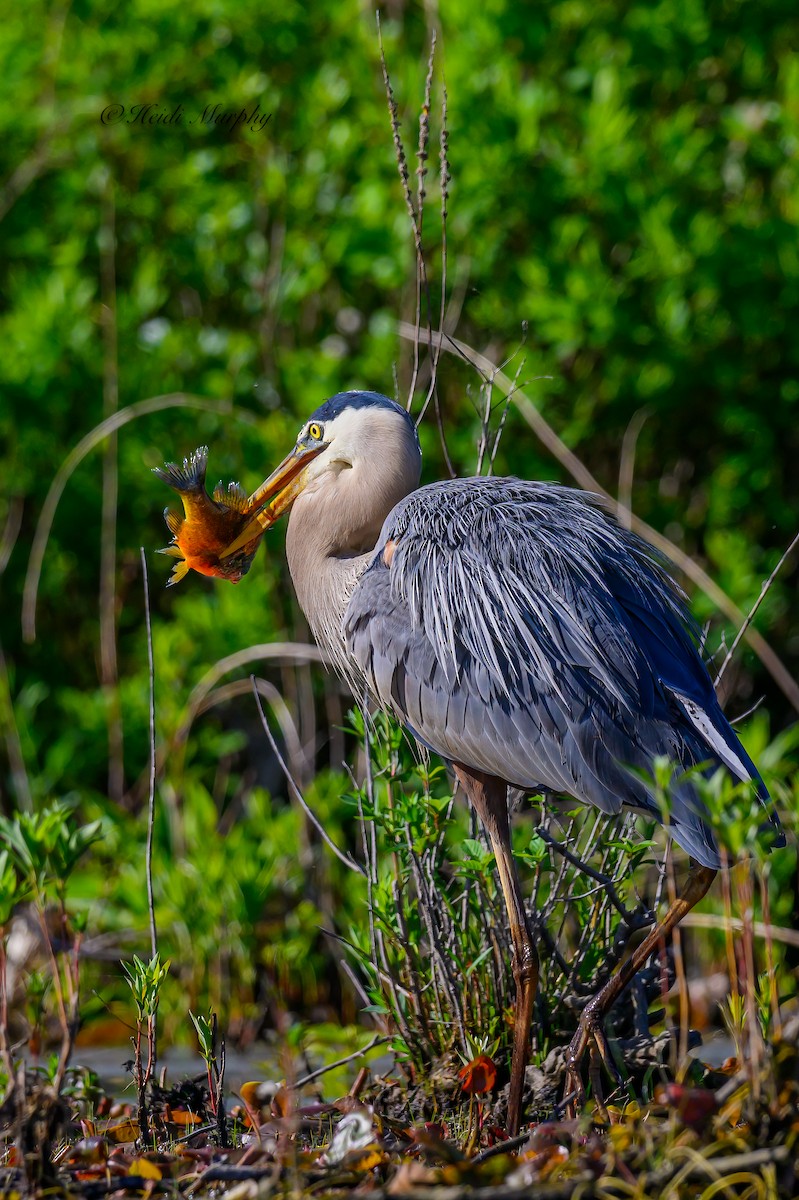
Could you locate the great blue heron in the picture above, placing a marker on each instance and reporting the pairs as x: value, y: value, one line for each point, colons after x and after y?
x: 517, y: 631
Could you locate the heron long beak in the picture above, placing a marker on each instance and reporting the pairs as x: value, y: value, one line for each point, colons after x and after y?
x: 275, y: 495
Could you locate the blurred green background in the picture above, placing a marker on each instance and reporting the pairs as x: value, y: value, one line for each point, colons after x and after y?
x: 623, y: 225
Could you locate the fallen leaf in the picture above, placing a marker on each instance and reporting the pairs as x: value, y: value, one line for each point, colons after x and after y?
x: 88, y: 1150
x: 125, y: 1131
x: 146, y: 1169
x: 182, y: 1117
x: 412, y: 1174
x: 695, y: 1106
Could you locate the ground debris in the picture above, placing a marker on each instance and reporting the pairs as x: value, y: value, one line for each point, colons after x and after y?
x: 719, y: 1131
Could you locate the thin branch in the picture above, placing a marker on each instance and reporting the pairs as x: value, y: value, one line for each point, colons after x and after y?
x: 444, y: 182
x: 760, y: 929
x: 278, y: 651
x: 377, y: 1040
x: 357, y: 985
x: 16, y: 506
x: 20, y: 781
x: 627, y: 463
x: 151, y: 797
x: 416, y: 217
x: 503, y: 418
x: 421, y: 172
x: 487, y: 389
x: 238, y: 687
x: 345, y: 858
x: 109, y: 675
x: 750, y: 616
x: 586, y: 869
x: 203, y: 696
x: 404, y: 174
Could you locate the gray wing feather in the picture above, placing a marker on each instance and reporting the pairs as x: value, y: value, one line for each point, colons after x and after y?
x: 520, y: 631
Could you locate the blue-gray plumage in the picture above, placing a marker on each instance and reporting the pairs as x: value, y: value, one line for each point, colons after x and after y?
x: 519, y: 632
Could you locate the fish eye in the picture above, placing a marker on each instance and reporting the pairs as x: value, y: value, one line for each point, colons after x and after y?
x: 315, y: 431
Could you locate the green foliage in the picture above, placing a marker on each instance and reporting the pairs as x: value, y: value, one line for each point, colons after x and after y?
x: 624, y: 189
x: 13, y: 888
x: 205, y: 1029
x: 145, y: 981
x: 622, y: 182
x: 436, y: 953
x: 44, y: 847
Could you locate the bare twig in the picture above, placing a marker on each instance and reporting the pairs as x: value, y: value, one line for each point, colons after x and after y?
x: 148, y: 866
x: 238, y: 687
x: 444, y: 182
x: 377, y: 1040
x: 416, y: 215
x: 486, y: 389
x: 421, y: 172
x: 760, y: 929
x: 627, y: 464
x: 747, y: 713
x: 585, y: 868
x: 753, y: 610
x: 266, y: 651
x: 506, y: 1147
x: 16, y: 507
x: 345, y: 858
x: 503, y: 419
x: 109, y: 678
x: 219, y: 1087
x: 357, y: 985
x: 16, y: 756
x: 404, y: 174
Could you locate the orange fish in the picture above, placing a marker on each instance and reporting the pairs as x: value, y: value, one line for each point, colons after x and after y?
x: 210, y: 523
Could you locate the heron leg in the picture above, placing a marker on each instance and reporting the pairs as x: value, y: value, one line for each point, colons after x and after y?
x: 489, y: 796
x: 590, y: 1029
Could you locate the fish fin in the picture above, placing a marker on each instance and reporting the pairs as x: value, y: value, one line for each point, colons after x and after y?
x: 172, y: 551
x: 236, y: 497
x: 174, y: 521
x: 233, y: 496
x: 188, y: 478
x: 178, y: 571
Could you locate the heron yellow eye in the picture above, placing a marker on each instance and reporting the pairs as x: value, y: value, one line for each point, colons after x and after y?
x: 315, y: 431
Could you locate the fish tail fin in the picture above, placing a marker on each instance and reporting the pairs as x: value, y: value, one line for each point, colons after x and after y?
x: 188, y: 478
x: 178, y: 571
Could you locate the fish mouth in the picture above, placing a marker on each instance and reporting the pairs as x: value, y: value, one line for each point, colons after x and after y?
x: 275, y: 495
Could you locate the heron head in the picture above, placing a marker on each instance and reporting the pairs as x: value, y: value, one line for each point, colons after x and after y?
x: 358, y: 436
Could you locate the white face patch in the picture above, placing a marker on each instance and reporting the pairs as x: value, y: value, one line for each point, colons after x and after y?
x: 357, y: 433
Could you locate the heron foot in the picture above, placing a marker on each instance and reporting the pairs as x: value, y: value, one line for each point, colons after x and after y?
x: 590, y: 1036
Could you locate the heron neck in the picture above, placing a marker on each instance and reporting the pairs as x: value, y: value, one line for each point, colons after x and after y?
x: 324, y: 578
x: 333, y: 528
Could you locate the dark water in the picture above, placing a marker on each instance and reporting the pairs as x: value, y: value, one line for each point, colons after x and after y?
x: 181, y: 1062
x: 260, y: 1062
